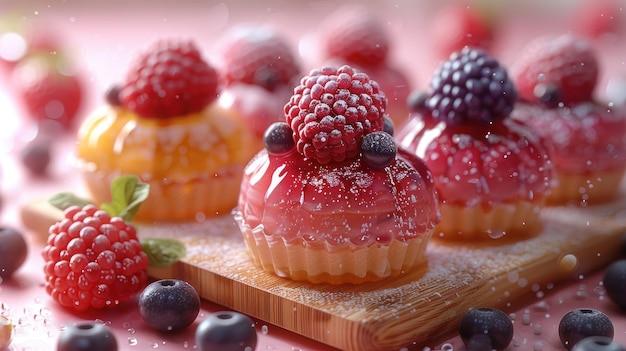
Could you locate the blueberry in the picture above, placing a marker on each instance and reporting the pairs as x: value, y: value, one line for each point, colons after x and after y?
x: 278, y: 138
x: 614, y: 281
x: 417, y: 101
x: 580, y: 323
x: 87, y: 336
x: 548, y: 94
x: 388, y: 126
x: 36, y: 157
x: 13, y: 251
x: 112, y: 95
x: 226, y: 331
x: 597, y: 343
x: 379, y: 149
x: 169, y: 305
x: 484, y: 321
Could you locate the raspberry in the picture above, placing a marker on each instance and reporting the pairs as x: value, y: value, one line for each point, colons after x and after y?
x: 259, y: 56
x: 566, y: 63
x: 169, y: 79
x: 331, y: 110
x: 355, y: 36
x: 471, y: 86
x: 93, y: 260
x: 458, y: 25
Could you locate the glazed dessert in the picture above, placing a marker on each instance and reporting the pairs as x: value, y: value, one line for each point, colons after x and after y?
x: 164, y: 126
x: 556, y: 78
x: 493, y: 173
x: 331, y: 199
x: 353, y: 35
x: 258, y: 70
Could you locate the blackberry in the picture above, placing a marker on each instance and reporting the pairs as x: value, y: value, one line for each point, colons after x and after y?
x: 471, y: 87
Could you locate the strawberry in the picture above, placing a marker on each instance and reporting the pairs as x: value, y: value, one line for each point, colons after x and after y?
x: 170, y: 78
x: 331, y: 110
x: 353, y: 35
x: 458, y: 25
x: 93, y: 258
x: 49, y: 89
x: 259, y: 56
x: 564, y: 67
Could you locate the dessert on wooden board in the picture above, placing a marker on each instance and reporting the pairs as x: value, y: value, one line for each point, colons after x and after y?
x: 557, y: 78
x: 332, y: 199
x: 493, y: 174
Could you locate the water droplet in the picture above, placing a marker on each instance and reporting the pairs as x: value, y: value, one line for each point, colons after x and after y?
x: 45, y: 312
x: 264, y: 329
x: 537, y: 329
x: 155, y: 345
x: 568, y: 263
x: 186, y: 344
x: 447, y: 347
x: 132, y: 341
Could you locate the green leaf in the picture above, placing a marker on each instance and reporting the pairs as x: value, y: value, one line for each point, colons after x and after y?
x: 65, y: 200
x: 163, y: 252
x: 127, y: 193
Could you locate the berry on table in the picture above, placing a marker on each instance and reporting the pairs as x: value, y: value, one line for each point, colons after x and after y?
x: 36, y: 156
x: 93, y: 260
x: 580, y: 323
x: 169, y: 305
x: 598, y: 343
x: 226, y: 331
x: 278, y: 138
x: 331, y: 110
x: 257, y: 55
x: 471, y: 86
x: 13, y: 251
x: 614, y: 281
x: 379, y: 149
x: 170, y: 78
x: 480, y: 322
x: 87, y: 336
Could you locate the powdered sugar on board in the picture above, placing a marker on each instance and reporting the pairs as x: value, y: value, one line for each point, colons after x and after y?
x: 419, y: 306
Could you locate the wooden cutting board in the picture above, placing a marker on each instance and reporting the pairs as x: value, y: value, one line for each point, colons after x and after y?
x: 409, y: 311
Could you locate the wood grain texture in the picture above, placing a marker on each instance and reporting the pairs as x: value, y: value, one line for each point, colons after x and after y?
x: 409, y: 311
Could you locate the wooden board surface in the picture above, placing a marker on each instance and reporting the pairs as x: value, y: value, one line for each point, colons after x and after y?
x: 406, y: 312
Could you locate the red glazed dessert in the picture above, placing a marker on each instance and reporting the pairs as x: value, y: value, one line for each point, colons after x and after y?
x: 331, y: 199
x: 492, y: 172
x: 353, y: 35
x: 557, y: 77
x: 258, y: 70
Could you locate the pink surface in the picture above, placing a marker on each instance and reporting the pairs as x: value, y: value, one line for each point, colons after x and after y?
x: 103, y: 38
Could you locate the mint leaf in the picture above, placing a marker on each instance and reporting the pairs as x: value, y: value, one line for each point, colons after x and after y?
x: 127, y: 193
x: 163, y: 252
x: 65, y: 200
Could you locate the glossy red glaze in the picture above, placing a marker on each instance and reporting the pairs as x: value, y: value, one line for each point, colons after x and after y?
x: 585, y: 138
x: 338, y: 203
x: 480, y: 164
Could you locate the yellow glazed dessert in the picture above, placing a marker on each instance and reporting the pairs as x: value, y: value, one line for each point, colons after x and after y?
x: 192, y: 156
